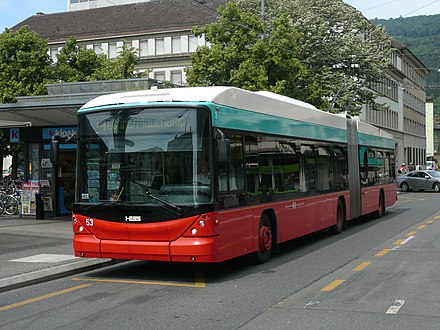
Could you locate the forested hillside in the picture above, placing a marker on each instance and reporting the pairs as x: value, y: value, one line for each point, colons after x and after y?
x: 421, y: 34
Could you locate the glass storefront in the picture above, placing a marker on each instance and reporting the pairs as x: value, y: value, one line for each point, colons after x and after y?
x: 55, y: 182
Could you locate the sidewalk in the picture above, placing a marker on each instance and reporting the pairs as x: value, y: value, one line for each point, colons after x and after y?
x: 33, y: 251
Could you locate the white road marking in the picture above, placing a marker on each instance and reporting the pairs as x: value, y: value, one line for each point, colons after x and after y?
x: 52, y: 258
x: 396, y: 306
x: 311, y: 303
x: 407, y: 240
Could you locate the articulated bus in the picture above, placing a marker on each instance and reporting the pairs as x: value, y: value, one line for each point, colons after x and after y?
x: 207, y: 174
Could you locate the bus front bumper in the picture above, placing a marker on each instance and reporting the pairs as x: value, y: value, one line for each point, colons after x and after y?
x: 184, y: 249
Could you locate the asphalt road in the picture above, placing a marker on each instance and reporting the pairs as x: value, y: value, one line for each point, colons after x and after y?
x: 378, y: 274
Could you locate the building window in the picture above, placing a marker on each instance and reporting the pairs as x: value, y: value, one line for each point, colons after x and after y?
x: 160, y: 46
x: 53, y: 54
x: 192, y: 43
x: 143, y: 48
x: 176, y: 77
x: 160, y: 76
x: 97, y: 48
x: 112, y: 50
x: 176, y: 44
x: 74, y: 1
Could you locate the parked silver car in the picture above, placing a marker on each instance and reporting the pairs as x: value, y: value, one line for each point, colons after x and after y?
x: 419, y: 180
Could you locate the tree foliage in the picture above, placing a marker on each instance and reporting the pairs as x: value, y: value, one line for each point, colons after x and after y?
x: 320, y: 51
x: 243, y: 53
x: 25, y: 67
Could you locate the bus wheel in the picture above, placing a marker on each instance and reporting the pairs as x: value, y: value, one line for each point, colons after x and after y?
x: 337, y: 228
x: 265, y: 240
x: 381, y: 210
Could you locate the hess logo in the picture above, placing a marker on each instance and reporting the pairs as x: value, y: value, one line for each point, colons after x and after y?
x: 133, y: 218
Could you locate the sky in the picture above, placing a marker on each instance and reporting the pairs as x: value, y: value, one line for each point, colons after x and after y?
x: 13, y: 12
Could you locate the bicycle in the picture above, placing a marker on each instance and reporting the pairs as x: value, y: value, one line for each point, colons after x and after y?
x: 10, y: 203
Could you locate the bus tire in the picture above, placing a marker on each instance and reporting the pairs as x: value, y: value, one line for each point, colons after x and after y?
x: 381, y: 210
x: 265, y: 240
x: 340, y: 219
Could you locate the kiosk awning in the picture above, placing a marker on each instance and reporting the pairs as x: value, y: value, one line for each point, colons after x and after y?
x: 10, y: 123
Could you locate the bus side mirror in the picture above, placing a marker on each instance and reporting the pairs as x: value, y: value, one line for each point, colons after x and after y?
x: 54, y: 149
x: 223, y: 147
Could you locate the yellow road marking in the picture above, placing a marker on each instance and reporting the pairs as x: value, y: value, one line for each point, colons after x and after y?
x: 47, y: 296
x: 382, y: 253
x: 421, y: 226
x: 200, y: 279
x: 399, y: 241
x: 411, y: 233
x: 194, y: 285
x: 361, y: 266
x: 430, y: 221
x: 332, y: 285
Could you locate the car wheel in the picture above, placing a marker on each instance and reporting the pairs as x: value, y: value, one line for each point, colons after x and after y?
x: 437, y: 187
x: 404, y: 186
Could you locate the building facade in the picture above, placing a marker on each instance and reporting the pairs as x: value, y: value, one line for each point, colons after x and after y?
x: 160, y: 31
x: 404, y: 92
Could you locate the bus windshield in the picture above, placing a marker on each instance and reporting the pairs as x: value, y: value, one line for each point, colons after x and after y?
x: 145, y: 155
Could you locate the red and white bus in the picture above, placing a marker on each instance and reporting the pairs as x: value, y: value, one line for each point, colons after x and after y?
x: 207, y: 174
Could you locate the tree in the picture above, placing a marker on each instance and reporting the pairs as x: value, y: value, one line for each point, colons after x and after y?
x: 25, y: 67
x: 243, y: 53
x: 342, y: 50
x: 338, y: 50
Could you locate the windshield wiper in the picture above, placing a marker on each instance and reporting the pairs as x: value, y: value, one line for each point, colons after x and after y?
x: 167, y: 204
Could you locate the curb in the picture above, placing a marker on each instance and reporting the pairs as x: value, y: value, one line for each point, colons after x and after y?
x: 53, y: 273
